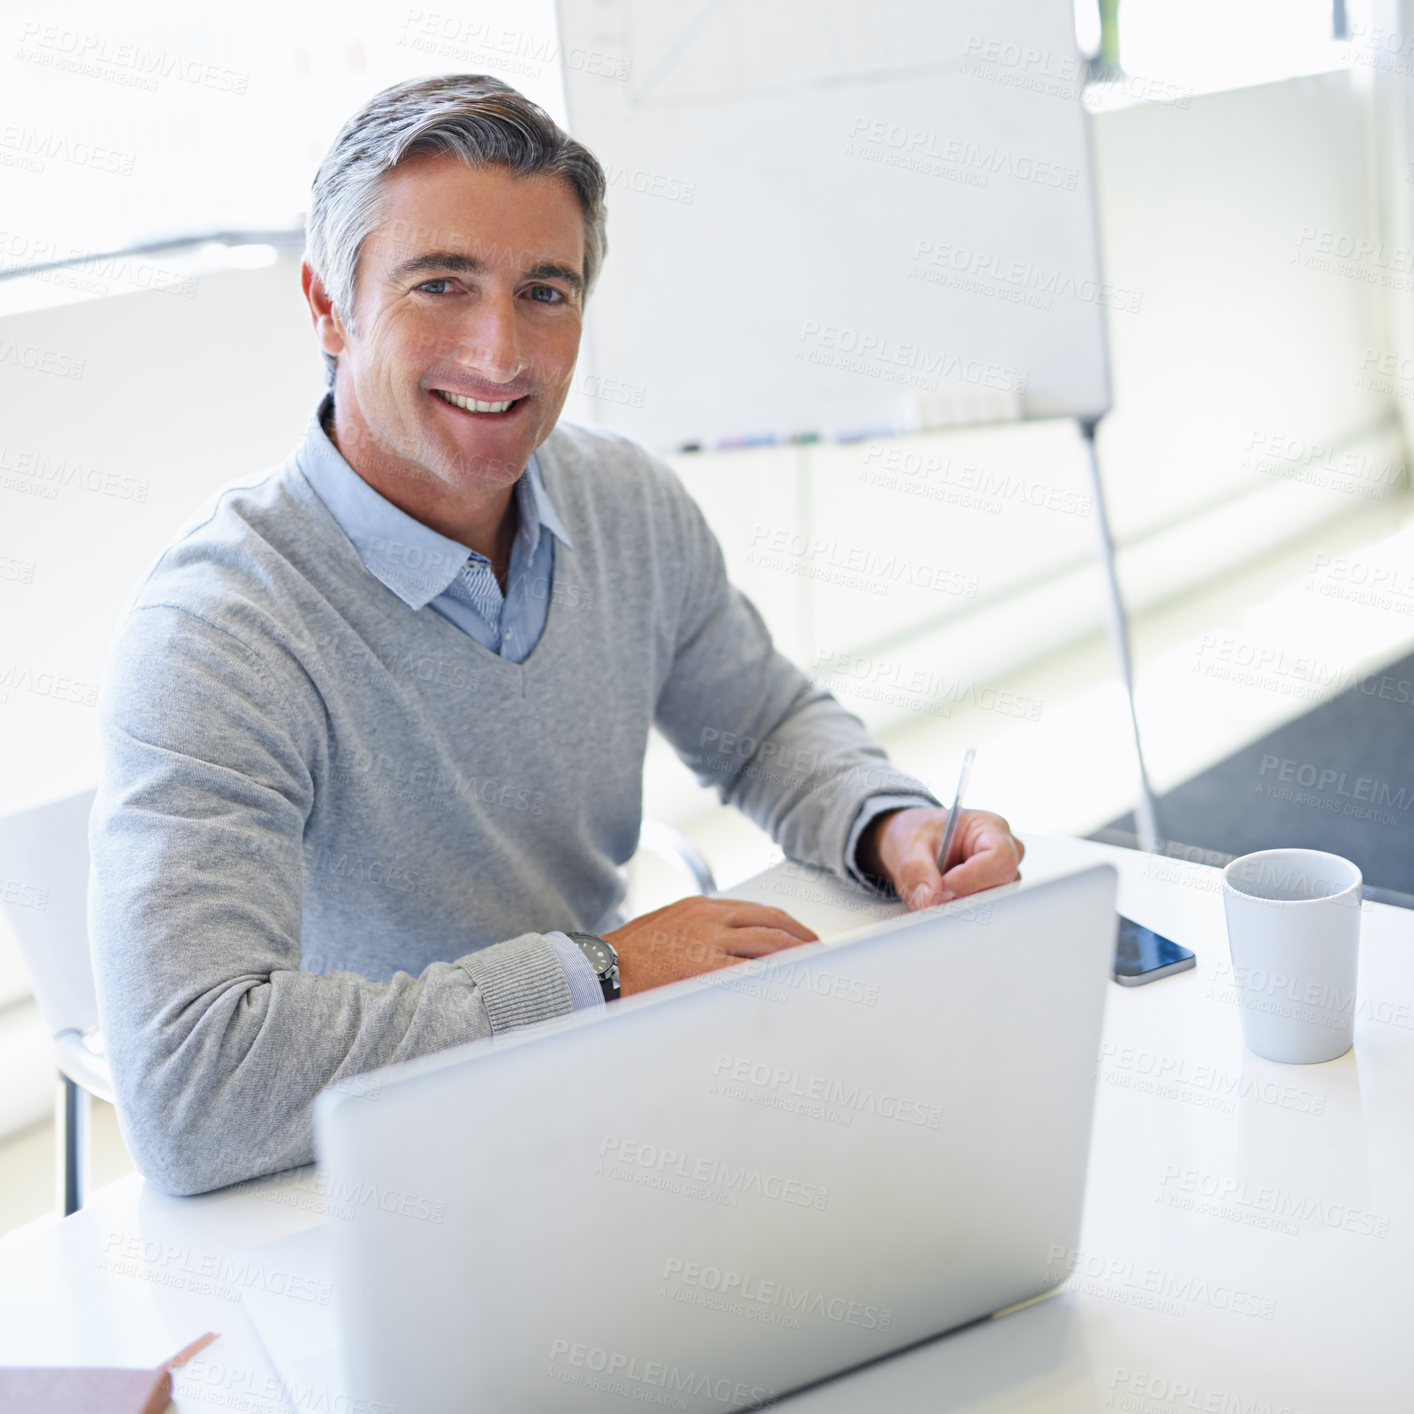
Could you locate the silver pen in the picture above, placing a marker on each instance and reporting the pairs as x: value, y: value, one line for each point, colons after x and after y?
x: 955, y: 814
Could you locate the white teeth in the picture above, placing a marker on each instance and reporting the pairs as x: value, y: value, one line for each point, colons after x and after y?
x: 470, y: 404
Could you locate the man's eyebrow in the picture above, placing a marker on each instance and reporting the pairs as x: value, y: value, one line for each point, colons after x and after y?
x: 438, y: 260
x: 470, y: 265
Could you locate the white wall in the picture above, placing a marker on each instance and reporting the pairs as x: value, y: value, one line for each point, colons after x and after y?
x: 1214, y: 212
x: 177, y: 397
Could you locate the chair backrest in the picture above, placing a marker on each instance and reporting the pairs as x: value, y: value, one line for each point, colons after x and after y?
x: 44, y: 899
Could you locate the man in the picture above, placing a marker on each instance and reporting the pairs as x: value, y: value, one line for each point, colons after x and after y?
x: 374, y: 730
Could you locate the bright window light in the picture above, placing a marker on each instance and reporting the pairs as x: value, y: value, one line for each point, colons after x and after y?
x: 157, y: 120
x: 1202, y: 45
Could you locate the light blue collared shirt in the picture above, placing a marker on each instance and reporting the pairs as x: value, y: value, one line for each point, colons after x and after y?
x: 428, y: 570
x: 424, y: 568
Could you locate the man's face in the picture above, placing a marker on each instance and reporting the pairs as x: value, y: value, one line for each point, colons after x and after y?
x: 470, y: 287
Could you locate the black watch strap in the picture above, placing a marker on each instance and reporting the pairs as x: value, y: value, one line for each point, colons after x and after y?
x: 602, y: 958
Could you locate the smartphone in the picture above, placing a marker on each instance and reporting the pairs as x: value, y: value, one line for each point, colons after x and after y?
x: 1142, y: 955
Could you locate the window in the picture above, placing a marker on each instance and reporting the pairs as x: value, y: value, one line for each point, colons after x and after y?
x: 159, y: 120
x: 1196, y: 46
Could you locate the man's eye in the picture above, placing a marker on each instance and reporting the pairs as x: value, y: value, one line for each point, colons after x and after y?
x: 440, y: 280
x: 546, y: 294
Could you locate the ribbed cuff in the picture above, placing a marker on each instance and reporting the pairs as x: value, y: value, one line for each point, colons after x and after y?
x: 521, y: 981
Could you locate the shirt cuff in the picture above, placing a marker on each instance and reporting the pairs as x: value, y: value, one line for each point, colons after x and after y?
x: 872, y: 808
x: 585, y: 990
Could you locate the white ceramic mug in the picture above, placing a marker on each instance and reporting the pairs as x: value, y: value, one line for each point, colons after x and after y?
x: 1293, y: 929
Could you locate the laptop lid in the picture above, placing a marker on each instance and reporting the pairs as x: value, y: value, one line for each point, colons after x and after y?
x: 724, y: 1190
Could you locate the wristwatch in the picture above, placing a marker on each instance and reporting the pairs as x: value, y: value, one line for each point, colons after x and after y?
x: 602, y: 958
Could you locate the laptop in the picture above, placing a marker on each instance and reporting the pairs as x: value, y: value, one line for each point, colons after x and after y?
x: 709, y: 1195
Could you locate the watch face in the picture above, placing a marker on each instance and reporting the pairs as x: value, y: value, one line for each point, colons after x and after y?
x: 598, y: 956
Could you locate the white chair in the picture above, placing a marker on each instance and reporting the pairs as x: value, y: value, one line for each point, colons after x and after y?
x: 44, y: 853
x: 668, y: 842
x: 44, y: 859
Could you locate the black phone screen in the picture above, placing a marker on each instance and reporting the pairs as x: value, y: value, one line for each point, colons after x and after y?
x: 1142, y: 955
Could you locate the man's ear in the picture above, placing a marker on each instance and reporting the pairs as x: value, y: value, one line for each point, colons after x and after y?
x: 328, y: 327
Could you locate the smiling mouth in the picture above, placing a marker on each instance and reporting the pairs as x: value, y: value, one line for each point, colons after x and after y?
x: 473, y: 405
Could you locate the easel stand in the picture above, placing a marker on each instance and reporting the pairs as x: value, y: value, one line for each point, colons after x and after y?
x: 1144, y: 813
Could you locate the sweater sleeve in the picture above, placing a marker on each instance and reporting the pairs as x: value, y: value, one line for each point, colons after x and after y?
x: 747, y: 720
x: 218, y: 1041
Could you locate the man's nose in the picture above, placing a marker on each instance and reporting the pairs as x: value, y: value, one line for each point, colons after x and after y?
x: 488, y: 342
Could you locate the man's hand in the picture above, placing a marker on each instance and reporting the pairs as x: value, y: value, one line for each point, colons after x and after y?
x: 902, y: 847
x: 698, y: 935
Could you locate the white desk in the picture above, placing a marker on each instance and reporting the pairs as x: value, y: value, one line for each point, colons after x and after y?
x: 1247, y: 1243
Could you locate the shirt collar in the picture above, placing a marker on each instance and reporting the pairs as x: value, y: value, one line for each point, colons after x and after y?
x: 410, y: 558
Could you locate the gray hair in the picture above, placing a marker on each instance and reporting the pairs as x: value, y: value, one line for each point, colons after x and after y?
x: 478, y: 118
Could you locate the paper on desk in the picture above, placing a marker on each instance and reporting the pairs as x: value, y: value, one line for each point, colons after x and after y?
x: 811, y: 896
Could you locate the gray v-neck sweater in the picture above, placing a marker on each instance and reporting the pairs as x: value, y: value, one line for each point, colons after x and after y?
x: 331, y: 831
